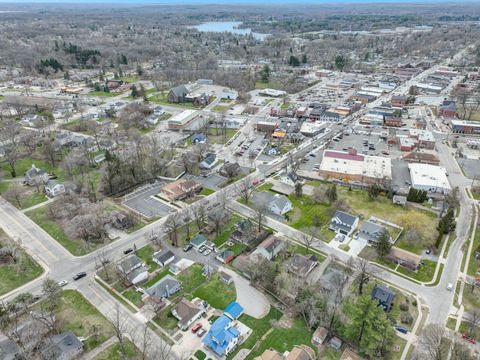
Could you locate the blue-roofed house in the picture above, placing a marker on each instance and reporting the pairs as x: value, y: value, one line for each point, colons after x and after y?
x: 199, y: 138
x: 222, y: 336
x: 234, y: 310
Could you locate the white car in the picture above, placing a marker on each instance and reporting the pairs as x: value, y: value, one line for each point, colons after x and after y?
x: 63, y: 283
x: 207, y: 252
x: 450, y: 287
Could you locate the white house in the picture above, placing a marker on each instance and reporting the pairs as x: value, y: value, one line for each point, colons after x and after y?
x: 343, y: 223
x: 53, y: 188
x: 280, y: 204
x: 290, y: 179
x: 187, y: 313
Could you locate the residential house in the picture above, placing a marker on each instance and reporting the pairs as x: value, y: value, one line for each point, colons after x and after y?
x: 301, y: 265
x: 198, y: 241
x: 371, y: 231
x: 121, y: 220
x: 406, y: 259
x: 163, y: 258
x: 335, y: 343
x: 177, y: 94
x: 319, y: 336
x: 180, y: 189
x: 225, y: 278
x: 54, y: 188
x: 35, y: 176
x: 447, y: 109
x: 187, y: 313
x: 290, y: 179
x: 199, y: 138
x: 114, y: 84
x: 164, y: 288
x: 229, y: 170
x: 64, y: 346
x: 343, y: 223
x: 279, y: 204
x: 350, y: 355
x: 209, y: 161
x: 225, y: 256
x: 384, y: 296
x: 270, y: 248
x: 133, y: 269
x: 223, y: 336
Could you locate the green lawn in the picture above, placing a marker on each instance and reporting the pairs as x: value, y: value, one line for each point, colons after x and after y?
x: 451, y: 322
x: 207, y: 191
x: 473, y: 263
x: 471, y: 298
x: 282, y: 339
x: 161, y: 98
x: 130, y: 79
x: 134, y: 296
x: 200, y: 355
x: 26, y: 163
x: 216, y: 293
x: 475, y: 191
x: 76, y: 247
x: 113, y: 352
x: 14, y: 275
x: 259, y: 328
x: 216, y: 136
x: 267, y: 85
x: 161, y: 274
x: 191, y: 278
x: 145, y: 253
x: 80, y: 317
x: 227, y: 230
x: 102, y: 94
x: 222, y: 108
x: 166, y: 320
x: 424, y: 274
x: 30, y: 196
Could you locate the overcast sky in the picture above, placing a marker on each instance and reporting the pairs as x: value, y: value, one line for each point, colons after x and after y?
x: 240, y: 2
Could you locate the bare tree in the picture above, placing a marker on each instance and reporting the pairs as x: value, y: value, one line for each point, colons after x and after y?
x: 308, y: 237
x: 119, y: 327
x: 198, y: 212
x: 10, y: 136
x: 473, y: 323
x: 361, y: 267
x: 430, y: 343
x: 245, y: 189
x: 261, y: 210
x: 15, y: 194
x: 172, y: 225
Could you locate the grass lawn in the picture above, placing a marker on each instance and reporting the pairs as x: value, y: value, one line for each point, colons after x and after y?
x: 451, y: 322
x: 130, y: 79
x: 200, y: 355
x: 134, y: 296
x: 475, y: 191
x: 103, y: 94
x: 216, y: 293
x: 29, y: 198
x: 424, y: 274
x: 259, y: 328
x: 465, y: 329
x: 113, y: 352
x: 76, y: 247
x: 399, y: 343
x: 267, y: 85
x: 207, y: 191
x: 161, y: 274
x: 15, y: 275
x: 166, y: 320
x: 145, y: 253
x: 473, y: 263
x: 282, y: 339
x: 79, y: 316
x: 216, y: 136
x: 161, y: 98
x: 191, y: 278
x: 227, y: 231
x: 26, y: 163
x: 471, y: 298
x: 221, y: 108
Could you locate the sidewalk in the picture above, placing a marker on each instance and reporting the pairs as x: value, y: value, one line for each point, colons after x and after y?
x: 95, y: 352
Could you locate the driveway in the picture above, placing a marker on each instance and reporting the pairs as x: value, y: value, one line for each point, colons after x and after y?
x: 254, y: 303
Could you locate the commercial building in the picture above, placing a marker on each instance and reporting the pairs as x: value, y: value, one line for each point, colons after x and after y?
x: 429, y: 177
x: 465, y: 127
x: 352, y: 167
x: 181, y: 121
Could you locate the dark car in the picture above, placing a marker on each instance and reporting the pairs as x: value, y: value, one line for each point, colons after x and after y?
x: 187, y: 247
x: 401, y: 329
x: 128, y: 251
x: 80, y: 275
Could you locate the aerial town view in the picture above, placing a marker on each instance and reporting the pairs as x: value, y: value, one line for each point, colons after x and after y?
x: 239, y: 180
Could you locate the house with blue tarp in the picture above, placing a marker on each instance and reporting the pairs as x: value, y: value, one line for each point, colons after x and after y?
x: 223, y: 336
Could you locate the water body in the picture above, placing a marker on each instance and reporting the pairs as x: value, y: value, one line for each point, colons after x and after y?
x: 228, y: 26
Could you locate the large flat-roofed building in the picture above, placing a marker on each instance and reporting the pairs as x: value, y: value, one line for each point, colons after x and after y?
x: 429, y: 177
x: 352, y: 167
x: 465, y: 127
x: 181, y: 121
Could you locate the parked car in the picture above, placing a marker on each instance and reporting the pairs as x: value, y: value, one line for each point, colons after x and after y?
x: 128, y: 251
x: 79, y: 275
x: 202, y: 249
x: 450, y: 287
x: 196, y: 327
x: 201, y: 332
x: 63, y: 283
x: 187, y: 247
x: 207, y: 252
x: 401, y: 329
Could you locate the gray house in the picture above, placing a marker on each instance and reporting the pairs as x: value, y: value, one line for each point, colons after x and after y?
x: 64, y: 346
x: 384, y: 296
x: 269, y: 248
x: 164, y: 288
x: 343, y: 223
x: 163, y: 257
x: 178, y: 94
x: 35, y: 176
x: 371, y: 231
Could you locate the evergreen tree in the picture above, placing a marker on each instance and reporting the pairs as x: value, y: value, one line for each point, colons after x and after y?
x: 332, y: 193
x: 383, y: 244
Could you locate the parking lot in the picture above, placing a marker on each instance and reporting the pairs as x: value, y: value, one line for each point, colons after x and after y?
x: 143, y: 201
x: 212, y: 181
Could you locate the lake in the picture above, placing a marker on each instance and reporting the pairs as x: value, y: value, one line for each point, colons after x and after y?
x: 228, y: 26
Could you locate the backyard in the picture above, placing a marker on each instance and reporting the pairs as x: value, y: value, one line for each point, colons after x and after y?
x: 14, y: 274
